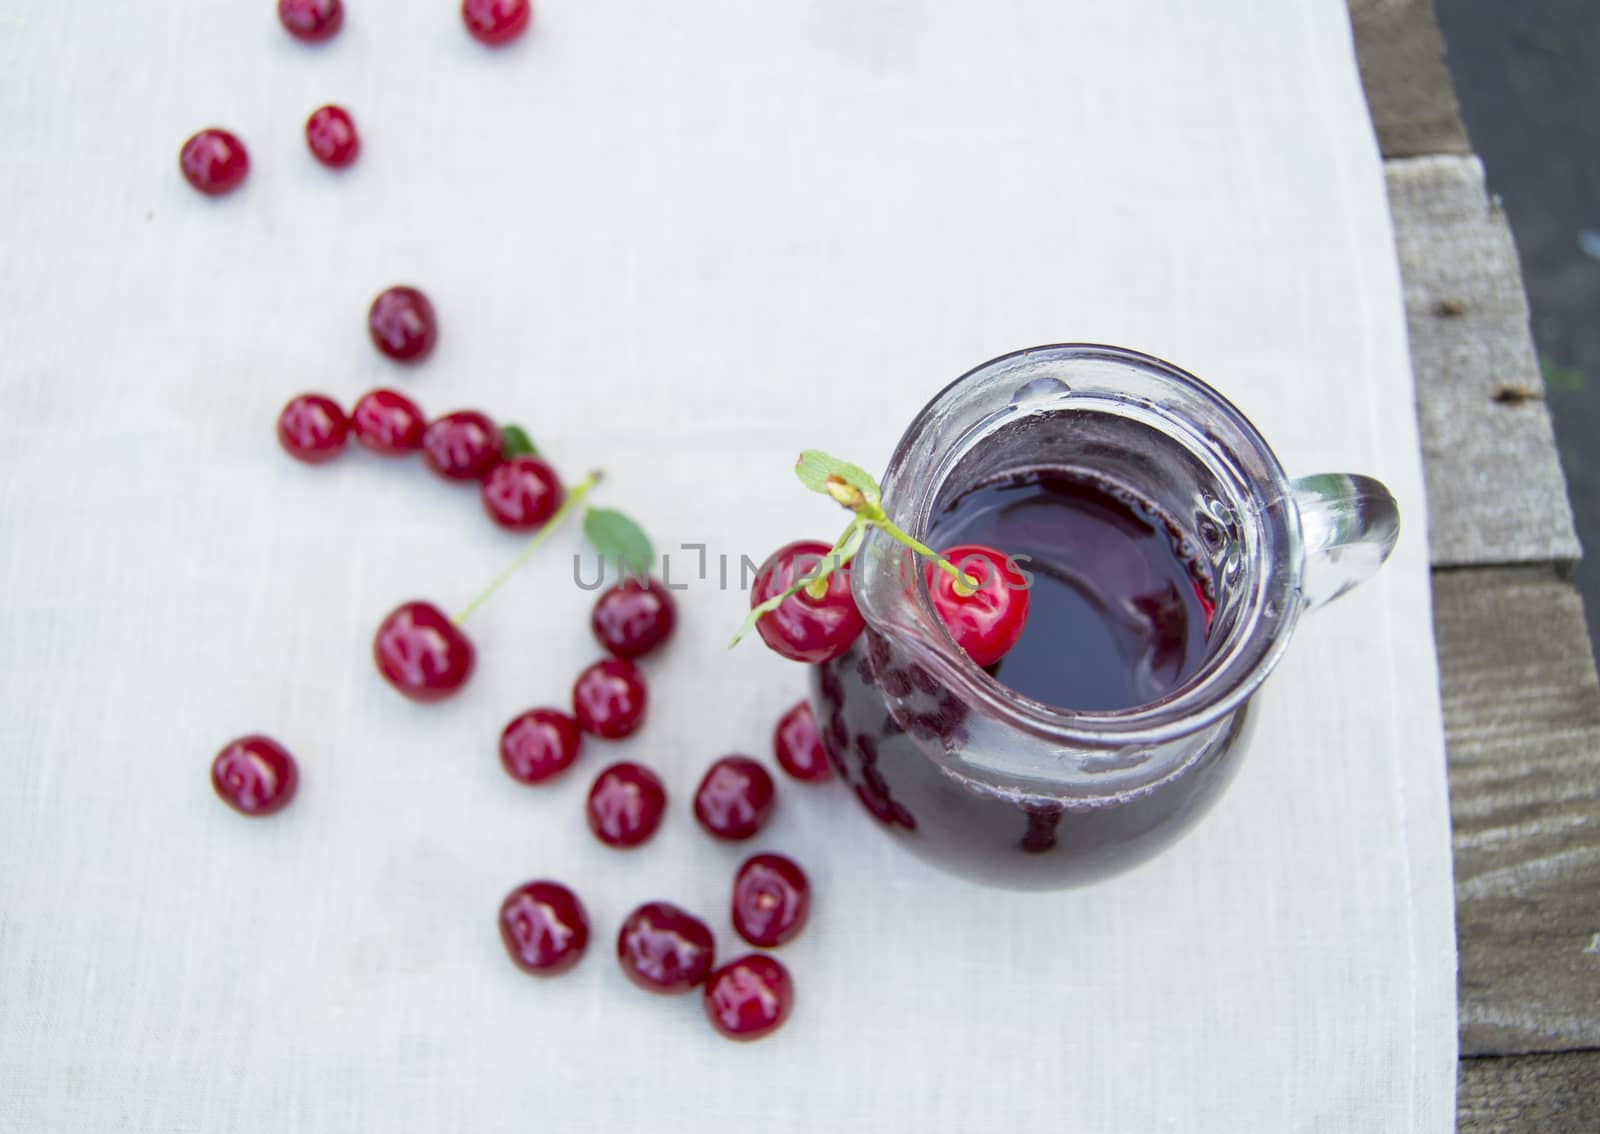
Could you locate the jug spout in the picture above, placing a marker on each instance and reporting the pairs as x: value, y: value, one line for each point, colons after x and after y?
x: 884, y: 578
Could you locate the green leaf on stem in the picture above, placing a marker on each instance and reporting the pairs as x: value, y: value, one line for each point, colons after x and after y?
x: 619, y: 539
x: 840, y: 479
x: 515, y: 442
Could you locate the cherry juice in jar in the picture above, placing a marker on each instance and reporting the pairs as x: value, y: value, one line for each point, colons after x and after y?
x: 1119, y: 617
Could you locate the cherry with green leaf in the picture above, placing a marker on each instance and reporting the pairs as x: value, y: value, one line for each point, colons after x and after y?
x: 522, y: 491
x: 802, y: 604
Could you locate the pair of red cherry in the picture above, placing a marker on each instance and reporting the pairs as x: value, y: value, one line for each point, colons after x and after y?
x: 627, y: 801
x: 735, y: 798
x: 215, y: 161
x: 665, y: 949
x: 985, y: 621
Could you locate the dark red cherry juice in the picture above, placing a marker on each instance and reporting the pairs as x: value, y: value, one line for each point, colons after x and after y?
x: 1117, y: 617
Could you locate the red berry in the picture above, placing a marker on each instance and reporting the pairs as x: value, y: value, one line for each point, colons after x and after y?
x: 633, y: 618
x: 522, y: 493
x: 626, y: 804
x: 771, y: 900
x: 402, y: 324
x: 539, y: 744
x: 312, y: 428
x: 255, y: 775
x: 798, y: 745
x: 749, y: 998
x: 388, y: 423
x: 331, y: 134
x: 496, y: 22
x: 803, y: 628
x: 987, y: 622
x: 422, y: 653
x: 214, y: 162
x: 735, y: 798
x: 311, y: 20
x: 665, y: 949
x: 609, y: 699
x: 464, y: 445
x: 544, y: 928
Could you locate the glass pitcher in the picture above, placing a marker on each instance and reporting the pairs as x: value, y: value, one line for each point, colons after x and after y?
x: 992, y: 785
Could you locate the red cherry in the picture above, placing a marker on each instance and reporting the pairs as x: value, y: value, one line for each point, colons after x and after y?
x: 311, y: 20
x: 464, y: 445
x: 803, y: 628
x: 388, y: 423
x: 331, y: 135
x: 626, y: 804
x: 422, y: 653
x: 735, y: 798
x: 539, y: 744
x: 665, y: 949
x: 214, y: 162
x: 749, y: 998
x: 496, y: 22
x: 798, y: 745
x: 609, y: 699
x: 633, y: 618
x: 988, y: 622
x: 771, y: 900
x: 255, y: 775
x: 521, y: 494
x: 402, y: 324
x: 312, y: 428
x: 544, y: 928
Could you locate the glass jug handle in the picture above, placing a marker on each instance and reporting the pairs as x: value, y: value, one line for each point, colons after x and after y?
x: 1349, y: 525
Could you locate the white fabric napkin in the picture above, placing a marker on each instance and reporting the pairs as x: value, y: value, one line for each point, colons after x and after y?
x: 679, y: 241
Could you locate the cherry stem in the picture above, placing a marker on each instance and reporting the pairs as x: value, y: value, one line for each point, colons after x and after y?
x: 569, y: 505
x: 837, y: 557
x: 874, y: 514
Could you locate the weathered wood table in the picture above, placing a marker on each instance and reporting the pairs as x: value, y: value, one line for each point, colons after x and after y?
x: 1521, y: 704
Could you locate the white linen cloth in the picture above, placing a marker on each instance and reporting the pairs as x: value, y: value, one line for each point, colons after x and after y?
x: 680, y: 241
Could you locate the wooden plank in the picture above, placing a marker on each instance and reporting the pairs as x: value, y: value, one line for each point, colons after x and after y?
x: 1522, y: 725
x: 1409, y: 93
x: 1495, y: 489
x: 1530, y: 1094
x: 1522, y: 707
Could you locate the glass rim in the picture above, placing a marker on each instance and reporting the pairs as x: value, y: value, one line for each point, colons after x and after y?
x: 1230, y: 673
